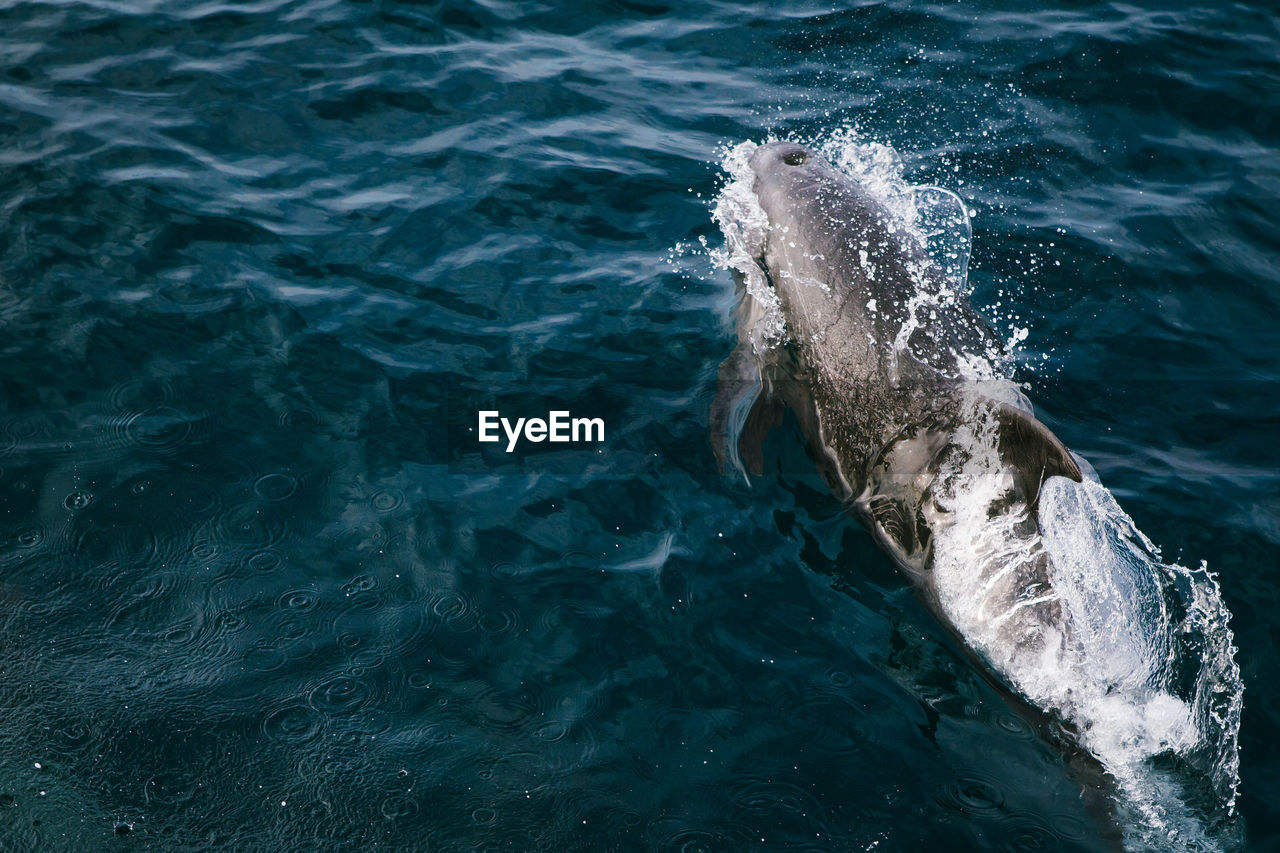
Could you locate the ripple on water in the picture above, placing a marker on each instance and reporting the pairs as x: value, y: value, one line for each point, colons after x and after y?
x: 1027, y: 833
x: 144, y: 605
x: 372, y: 722
x: 298, y: 600
x: 293, y: 634
x: 21, y: 544
x: 387, y: 500
x: 73, y: 739
x: 772, y: 797
x: 162, y: 430
x: 971, y: 794
x: 139, y: 393
x: 831, y: 724
x: 247, y: 524
x: 506, y: 570
x: 358, y: 637
x: 292, y: 629
x: 204, y: 640
x: 551, y: 617
x: 398, y: 807
x: 839, y: 679
x: 363, y: 584
x: 264, y: 561
x: 454, y: 610
x: 275, y: 487
x: 1068, y: 828
x: 186, y: 298
x: 340, y: 694
x: 204, y: 550
x: 265, y: 656
x: 40, y: 608
x: 227, y: 622
x: 570, y: 743
x: 507, y: 710
x: 524, y: 771
x: 498, y: 623
x: 668, y: 836
x: 126, y: 534
x: 300, y: 419
x: 1009, y: 722
x: 175, y: 788
x: 383, y: 631
x: 552, y: 731
x: 25, y: 430
x: 294, y: 723
x: 186, y: 634
x: 580, y: 560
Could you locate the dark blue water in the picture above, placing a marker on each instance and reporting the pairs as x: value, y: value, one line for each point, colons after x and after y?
x: 261, y: 264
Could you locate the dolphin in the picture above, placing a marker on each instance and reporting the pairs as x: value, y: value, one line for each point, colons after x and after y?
x: 1008, y: 537
x: 887, y: 368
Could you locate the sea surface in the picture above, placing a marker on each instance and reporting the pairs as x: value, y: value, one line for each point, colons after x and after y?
x: 262, y: 265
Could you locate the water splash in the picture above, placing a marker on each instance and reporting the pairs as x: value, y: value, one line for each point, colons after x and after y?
x: 1179, y: 667
x: 935, y: 215
x: 1081, y: 616
x: 943, y: 221
x: 746, y: 227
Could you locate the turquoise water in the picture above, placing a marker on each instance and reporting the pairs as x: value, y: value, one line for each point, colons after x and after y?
x: 262, y: 264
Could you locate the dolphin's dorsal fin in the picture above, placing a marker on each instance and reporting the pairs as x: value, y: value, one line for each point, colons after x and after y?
x: 1029, y: 448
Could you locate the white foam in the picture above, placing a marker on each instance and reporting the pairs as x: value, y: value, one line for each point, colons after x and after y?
x: 1141, y: 626
x: 1134, y: 652
x: 746, y: 227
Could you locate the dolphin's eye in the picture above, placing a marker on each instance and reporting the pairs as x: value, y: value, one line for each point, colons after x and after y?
x: 795, y: 158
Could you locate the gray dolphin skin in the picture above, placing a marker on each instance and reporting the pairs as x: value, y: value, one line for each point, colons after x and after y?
x: 887, y: 415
